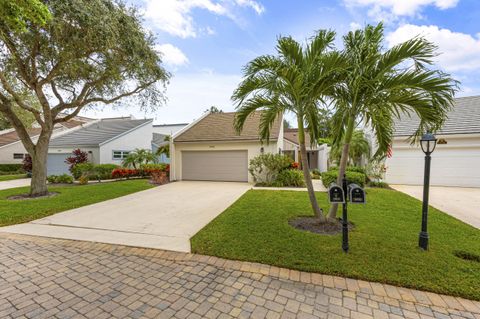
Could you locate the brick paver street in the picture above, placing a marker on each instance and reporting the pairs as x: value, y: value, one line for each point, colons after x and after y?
x: 52, y: 278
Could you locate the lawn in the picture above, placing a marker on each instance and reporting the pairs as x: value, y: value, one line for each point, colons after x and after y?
x: 383, y: 245
x: 21, y: 211
x: 4, y: 178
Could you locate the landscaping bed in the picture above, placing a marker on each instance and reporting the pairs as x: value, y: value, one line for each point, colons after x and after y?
x: 383, y: 243
x: 67, y: 197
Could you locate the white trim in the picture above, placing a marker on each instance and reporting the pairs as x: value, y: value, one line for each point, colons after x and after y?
x: 189, y: 126
x: 125, y: 133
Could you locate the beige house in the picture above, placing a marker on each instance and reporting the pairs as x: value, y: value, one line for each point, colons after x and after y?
x: 317, y: 155
x: 210, y: 149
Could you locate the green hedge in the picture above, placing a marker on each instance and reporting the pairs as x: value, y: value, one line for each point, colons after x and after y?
x: 355, y: 169
x: 94, y: 172
x: 10, y: 169
x: 290, y: 178
x: 60, y: 179
x: 352, y: 177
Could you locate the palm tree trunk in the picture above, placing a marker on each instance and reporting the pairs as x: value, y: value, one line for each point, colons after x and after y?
x: 306, y: 174
x: 332, y: 214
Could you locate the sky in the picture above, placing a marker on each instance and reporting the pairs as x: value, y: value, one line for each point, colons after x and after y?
x: 205, y: 43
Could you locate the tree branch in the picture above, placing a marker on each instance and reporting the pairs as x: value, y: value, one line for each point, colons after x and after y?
x: 6, y: 109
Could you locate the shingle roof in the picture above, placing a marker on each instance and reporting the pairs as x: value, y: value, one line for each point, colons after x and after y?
x: 464, y: 118
x: 219, y: 127
x: 292, y: 136
x: 96, y: 133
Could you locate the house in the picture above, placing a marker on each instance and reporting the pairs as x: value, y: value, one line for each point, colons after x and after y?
x: 317, y: 155
x: 456, y: 159
x: 105, y: 141
x: 168, y: 129
x: 210, y: 148
x: 12, y: 150
x: 161, y: 134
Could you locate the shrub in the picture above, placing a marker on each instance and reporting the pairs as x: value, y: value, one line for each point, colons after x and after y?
x: 159, y: 177
x: 378, y: 184
x: 316, y: 174
x: 78, y: 157
x: 356, y: 169
x: 82, y: 169
x: 9, y: 169
x: 60, y: 179
x: 83, y: 180
x: 289, y: 178
x: 265, y: 167
x: 102, y: 171
x: 125, y: 173
x: 352, y: 177
x: 27, y: 164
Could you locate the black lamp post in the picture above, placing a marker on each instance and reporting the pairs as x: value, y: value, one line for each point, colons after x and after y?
x: 428, y: 143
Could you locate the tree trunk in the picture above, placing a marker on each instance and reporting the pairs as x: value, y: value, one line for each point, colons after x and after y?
x: 306, y: 174
x: 332, y: 214
x: 38, y: 185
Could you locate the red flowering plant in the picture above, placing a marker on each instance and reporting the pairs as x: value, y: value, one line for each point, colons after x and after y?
x: 78, y: 157
x: 125, y: 173
x: 295, y: 165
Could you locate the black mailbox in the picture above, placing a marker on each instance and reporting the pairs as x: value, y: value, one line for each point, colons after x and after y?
x: 356, y: 194
x: 335, y: 194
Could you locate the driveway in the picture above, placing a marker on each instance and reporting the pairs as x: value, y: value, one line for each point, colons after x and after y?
x: 164, y: 217
x: 15, y: 183
x: 462, y: 203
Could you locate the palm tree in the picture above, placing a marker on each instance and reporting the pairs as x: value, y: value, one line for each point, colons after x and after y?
x: 139, y: 157
x: 298, y: 80
x: 165, y: 148
x: 380, y: 85
x: 359, y: 146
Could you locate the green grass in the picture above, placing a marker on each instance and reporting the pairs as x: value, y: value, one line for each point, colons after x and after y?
x: 4, y: 178
x: 383, y: 245
x: 69, y: 197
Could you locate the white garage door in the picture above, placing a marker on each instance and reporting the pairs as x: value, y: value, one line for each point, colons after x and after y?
x: 56, y: 164
x: 230, y: 166
x: 450, y: 167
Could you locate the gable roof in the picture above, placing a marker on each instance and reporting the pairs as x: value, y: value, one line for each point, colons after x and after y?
x: 11, y: 136
x: 464, y: 118
x: 97, y: 133
x: 219, y: 127
x: 291, y: 135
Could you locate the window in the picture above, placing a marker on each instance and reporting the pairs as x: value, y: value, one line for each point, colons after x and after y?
x: 17, y: 156
x: 119, y: 155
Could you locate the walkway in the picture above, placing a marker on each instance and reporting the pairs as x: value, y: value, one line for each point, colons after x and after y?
x: 163, y: 217
x: 460, y: 202
x: 15, y: 183
x: 52, y: 278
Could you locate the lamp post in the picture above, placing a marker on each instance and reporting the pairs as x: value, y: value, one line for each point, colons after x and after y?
x: 428, y: 142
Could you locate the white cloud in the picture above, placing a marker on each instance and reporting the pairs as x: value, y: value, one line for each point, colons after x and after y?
x: 175, y: 16
x: 189, y: 95
x: 459, y: 51
x: 171, y: 55
x: 388, y: 9
x: 355, y: 26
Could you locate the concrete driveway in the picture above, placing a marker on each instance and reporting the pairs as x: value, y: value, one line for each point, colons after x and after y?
x: 462, y: 203
x: 164, y: 217
x: 15, y: 183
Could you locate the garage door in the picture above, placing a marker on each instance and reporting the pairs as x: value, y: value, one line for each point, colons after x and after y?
x: 56, y: 164
x: 450, y: 167
x: 228, y: 166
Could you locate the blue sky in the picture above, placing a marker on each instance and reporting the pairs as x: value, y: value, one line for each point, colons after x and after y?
x: 205, y: 43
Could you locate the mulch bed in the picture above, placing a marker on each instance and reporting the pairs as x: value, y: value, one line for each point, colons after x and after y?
x: 312, y: 225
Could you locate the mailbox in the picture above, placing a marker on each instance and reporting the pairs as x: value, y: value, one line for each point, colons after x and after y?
x: 335, y: 194
x: 356, y: 194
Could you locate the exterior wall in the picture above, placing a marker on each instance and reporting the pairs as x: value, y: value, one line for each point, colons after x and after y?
x: 162, y: 158
x: 453, y: 164
x: 253, y: 148
x: 168, y: 129
x: 138, y: 138
x: 93, y: 152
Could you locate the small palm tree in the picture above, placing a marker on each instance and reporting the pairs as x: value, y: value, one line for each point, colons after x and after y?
x: 297, y: 80
x: 359, y: 147
x: 138, y: 157
x: 164, y: 149
x: 380, y: 85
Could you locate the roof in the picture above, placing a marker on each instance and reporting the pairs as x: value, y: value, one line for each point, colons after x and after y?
x: 11, y: 136
x: 159, y: 139
x: 97, y: 133
x: 219, y: 127
x: 291, y: 135
x: 464, y: 118
x: 167, y: 125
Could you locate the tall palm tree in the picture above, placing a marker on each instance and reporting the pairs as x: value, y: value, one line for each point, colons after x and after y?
x: 380, y: 85
x: 299, y: 79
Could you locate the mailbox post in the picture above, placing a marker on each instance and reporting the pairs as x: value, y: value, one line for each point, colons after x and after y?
x: 342, y: 194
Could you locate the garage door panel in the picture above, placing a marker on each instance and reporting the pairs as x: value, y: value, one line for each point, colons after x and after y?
x: 450, y: 167
x: 56, y: 164
x: 215, y: 165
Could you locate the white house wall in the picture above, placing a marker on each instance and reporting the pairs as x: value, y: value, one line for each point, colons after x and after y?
x: 139, y: 138
x: 453, y: 164
x: 168, y: 130
x: 253, y: 148
x: 93, y: 153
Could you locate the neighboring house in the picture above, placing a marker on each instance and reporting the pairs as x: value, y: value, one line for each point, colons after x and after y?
x: 12, y: 150
x: 159, y: 140
x: 105, y: 141
x: 168, y: 129
x: 456, y: 159
x: 317, y: 155
x: 210, y: 149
